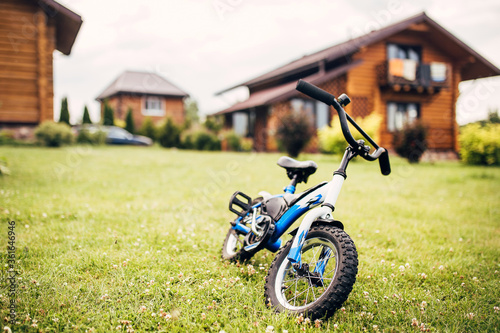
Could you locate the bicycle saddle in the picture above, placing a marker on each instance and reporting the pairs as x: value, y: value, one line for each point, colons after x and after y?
x: 302, y: 170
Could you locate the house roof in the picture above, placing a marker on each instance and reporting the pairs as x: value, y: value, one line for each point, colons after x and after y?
x: 141, y: 83
x: 477, y: 66
x: 68, y: 24
x: 285, y: 91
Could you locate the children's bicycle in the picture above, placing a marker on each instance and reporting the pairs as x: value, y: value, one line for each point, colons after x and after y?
x: 315, y: 271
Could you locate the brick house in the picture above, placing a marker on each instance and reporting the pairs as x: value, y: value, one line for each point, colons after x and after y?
x: 147, y: 94
x: 30, y: 31
x: 406, y: 71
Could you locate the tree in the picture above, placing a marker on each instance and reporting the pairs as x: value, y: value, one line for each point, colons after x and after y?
x: 109, y: 118
x: 169, y: 135
x: 191, y: 107
x: 294, y: 132
x: 129, y: 121
x: 86, y: 116
x: 214, y: 124
x: 64, y: 116
x: 493, y: 116
x: 148, y: 128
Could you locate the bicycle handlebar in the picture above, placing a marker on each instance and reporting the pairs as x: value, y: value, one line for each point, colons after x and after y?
x: 380, y: 153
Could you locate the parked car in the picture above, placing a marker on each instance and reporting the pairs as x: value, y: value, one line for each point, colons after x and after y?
x: 116, y: 135
x: 119, y: 136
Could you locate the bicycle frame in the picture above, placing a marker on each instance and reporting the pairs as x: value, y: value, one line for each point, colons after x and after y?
x: 326, y: 195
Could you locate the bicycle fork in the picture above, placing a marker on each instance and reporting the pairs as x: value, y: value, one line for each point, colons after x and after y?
x: 325, y: 211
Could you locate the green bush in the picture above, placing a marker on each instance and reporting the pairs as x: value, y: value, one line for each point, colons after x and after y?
x: 7, y: 137
x: 411, y: 141
x: 294, y: 132
x: 169, y: 134
x: 53, y: 134
x: 64, y: 115
x: 109, y: 117
x: 233, y: 141
x: 214, y: 124
x: 129, y: 121
x: 246, y: 144
x: 200, y: 140
x: 91, y: 137
x: 480, y: 145
x: 206, y: 141
x: 332, y: 141
x: 86, y: 116
x: 148, y: 128
x: 187, y: 140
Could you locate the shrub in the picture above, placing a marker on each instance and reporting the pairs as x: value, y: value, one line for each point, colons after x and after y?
x: 332, y: 141
x: 233, y: 141
x: 129, y: 121
x: 52, y: 134
x: 294, y: 132
x: 206, y: 141
x: 148, y: 128
x: 169, y: 135
x: 187, y: 140
x: 108, y: 117
x: 200, y: 139
x: 6, y: 137
x: 246, y: 144
x: 213, y: 124
x: 64, y: 115
x: 480, y: 145
x: 120, y: 123
x: 86, y: 116
x: 91, y: 137
x: 411, y: 141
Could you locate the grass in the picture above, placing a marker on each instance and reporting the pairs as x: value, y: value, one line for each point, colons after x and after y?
x: 125, y: 238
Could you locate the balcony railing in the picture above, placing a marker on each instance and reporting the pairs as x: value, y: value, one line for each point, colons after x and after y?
x: 427, y: 78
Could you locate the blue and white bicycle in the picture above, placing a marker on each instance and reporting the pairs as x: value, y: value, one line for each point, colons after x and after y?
x: 314, y: 272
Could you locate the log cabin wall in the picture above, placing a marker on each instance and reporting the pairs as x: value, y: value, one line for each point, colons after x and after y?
x: 437, y: 108
x: 27, y: 42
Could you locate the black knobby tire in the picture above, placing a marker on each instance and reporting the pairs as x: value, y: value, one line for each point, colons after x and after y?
x: 288, y: 291
x: 232, y: 249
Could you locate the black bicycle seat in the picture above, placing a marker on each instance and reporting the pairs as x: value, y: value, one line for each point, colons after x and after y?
x: 293, y: 167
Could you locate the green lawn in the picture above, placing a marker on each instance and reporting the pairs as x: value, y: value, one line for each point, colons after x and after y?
x: 126, y: 238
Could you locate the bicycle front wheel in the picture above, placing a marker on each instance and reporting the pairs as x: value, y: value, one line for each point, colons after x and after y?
x: 323, y: 282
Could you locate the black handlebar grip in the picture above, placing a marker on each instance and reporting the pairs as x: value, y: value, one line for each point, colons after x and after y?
x: 385, y: 165
x: 315, y: 92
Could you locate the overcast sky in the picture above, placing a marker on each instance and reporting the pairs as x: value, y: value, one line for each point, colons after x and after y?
x: 204, y: 46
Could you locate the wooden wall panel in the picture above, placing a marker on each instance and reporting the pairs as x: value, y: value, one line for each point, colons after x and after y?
x: 437, y: 110
x: 27, y: 42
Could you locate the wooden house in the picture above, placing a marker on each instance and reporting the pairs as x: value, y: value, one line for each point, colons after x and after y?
x: 406, y: 71
x: 30, y: 31
x: 147, y: 94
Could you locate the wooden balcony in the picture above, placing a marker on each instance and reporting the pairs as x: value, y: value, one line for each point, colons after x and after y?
x: 423, y: 82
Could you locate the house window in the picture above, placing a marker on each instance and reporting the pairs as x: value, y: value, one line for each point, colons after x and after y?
x: 153, y: 107
x: 397, y: 51
x: 318, y: 112
x: 400, y: 114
